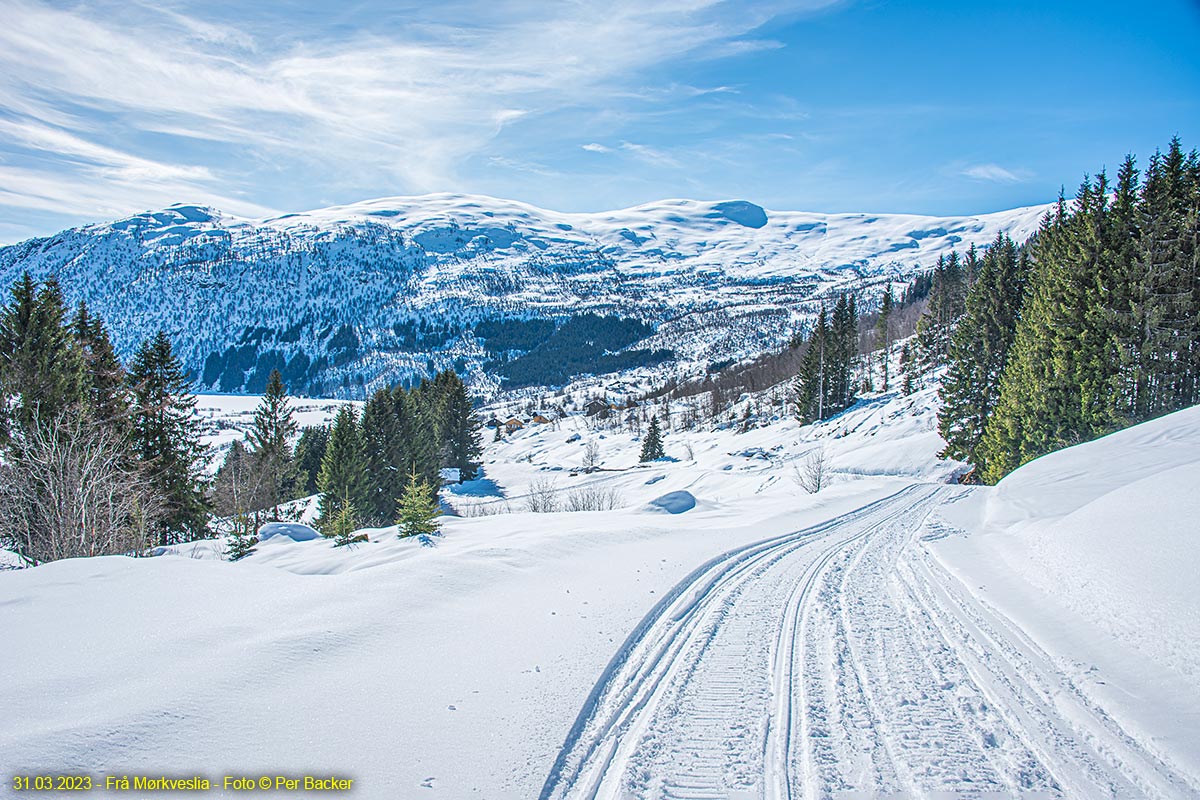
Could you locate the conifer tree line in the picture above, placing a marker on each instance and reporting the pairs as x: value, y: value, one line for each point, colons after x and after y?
x: 826, y: 381
x: 95, y: 458
x: 372, y: 464
x: 98, y: 457
x: 1091, y: 327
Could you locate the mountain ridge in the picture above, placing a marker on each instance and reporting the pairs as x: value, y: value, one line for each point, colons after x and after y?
x: 387, y: 290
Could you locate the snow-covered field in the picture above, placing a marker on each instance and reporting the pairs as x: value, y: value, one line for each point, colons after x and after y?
x: 225, y: 418
x: 890, y: 634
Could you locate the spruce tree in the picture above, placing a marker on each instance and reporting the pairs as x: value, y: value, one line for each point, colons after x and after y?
x: 342, y: 478
x: 386, y: 455
x: 461, y: 430
x: 271, y: 438
x: 419, y: 430
x: 41, y: 370
x: 979, y: 349
x: 417, y: 510
x: 883, y: 335
x: 810, y: 390
x: 947, y: 301
x: 343, y: 525
x: 165, y: 437
x: 842, y: 389
x: 310, y: 452
x: 908, y: 369
x: 242, y: 538
x: 1034, y: 393
x: 106, y: 393
x: 652, y: 445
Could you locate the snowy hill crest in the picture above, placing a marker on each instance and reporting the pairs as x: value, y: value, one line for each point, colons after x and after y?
x: 387, y: 290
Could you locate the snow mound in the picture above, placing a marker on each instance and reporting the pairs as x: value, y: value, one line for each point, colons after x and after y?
x: 1094, y: 550
x: 289, y: 530
x: 673, y: 502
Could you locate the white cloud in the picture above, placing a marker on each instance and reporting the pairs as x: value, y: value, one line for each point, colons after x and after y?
x: 596, y: 147
x: 994, y: 173
x: 650, y: 154
x: 88, y: 84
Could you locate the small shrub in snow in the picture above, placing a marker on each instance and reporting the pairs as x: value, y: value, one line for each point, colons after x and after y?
x: 418, y: 510
x: 542, y: 498
x: 343, y: 526
x: 241, y: 539
x: 593, y: 498
x: 481, y: 508
x: 813, y: 473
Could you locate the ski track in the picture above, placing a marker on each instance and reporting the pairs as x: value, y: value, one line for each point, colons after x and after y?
x: 843, y: 661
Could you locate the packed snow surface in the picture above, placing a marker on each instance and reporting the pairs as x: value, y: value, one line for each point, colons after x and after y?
x: 891, y: 635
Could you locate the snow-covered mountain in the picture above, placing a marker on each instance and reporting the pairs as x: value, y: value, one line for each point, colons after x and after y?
x: 387, y: 290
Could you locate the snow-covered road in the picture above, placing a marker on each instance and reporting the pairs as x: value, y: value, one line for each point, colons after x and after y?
x: 843, y: 660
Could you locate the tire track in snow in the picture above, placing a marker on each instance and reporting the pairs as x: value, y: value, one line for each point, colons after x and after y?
x: 680, y: 710
x: 844, y: 661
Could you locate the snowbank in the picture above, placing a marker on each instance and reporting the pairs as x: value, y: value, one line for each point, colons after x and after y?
x: 1095, y: 550
x: 287, y: 530
x: 673, y: 502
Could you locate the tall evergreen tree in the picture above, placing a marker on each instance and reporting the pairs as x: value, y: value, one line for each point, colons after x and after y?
x: 420, y: 432
x: 883, y: 335
x: 1035, y: 393
x: 1123, y: 297
x: 461, y: 429
x: 41, y: 371
x: 386, y: 454
x: 271, y: 438
x: 979, y: 349
x: 166, y: 438
x: 842, y: 388
x: 652, y: 445
x: 310, y: 452
x: 947, y: 299
x: 810, y: 386
x: 342, y: 478
x: 106, y: 393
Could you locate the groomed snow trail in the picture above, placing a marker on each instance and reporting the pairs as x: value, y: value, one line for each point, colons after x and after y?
x: 842, y: 660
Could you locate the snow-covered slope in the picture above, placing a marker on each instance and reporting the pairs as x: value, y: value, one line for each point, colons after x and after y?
x: 1016, y: 641
x: 384, y: 290
x: 458, y: 667
x: 1095, y: 551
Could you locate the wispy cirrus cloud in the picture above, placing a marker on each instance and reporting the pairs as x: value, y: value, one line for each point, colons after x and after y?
x: 994, y: 173
x: 106, y: 97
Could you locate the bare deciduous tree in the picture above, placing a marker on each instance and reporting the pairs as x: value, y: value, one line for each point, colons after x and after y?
x: 543, y: 497
x: 593, y: 498
x: 813, y: 473
x: 591, y: 457
x: 69, y: 489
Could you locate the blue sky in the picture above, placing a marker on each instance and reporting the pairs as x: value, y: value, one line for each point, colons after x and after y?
x: 107, y: 109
